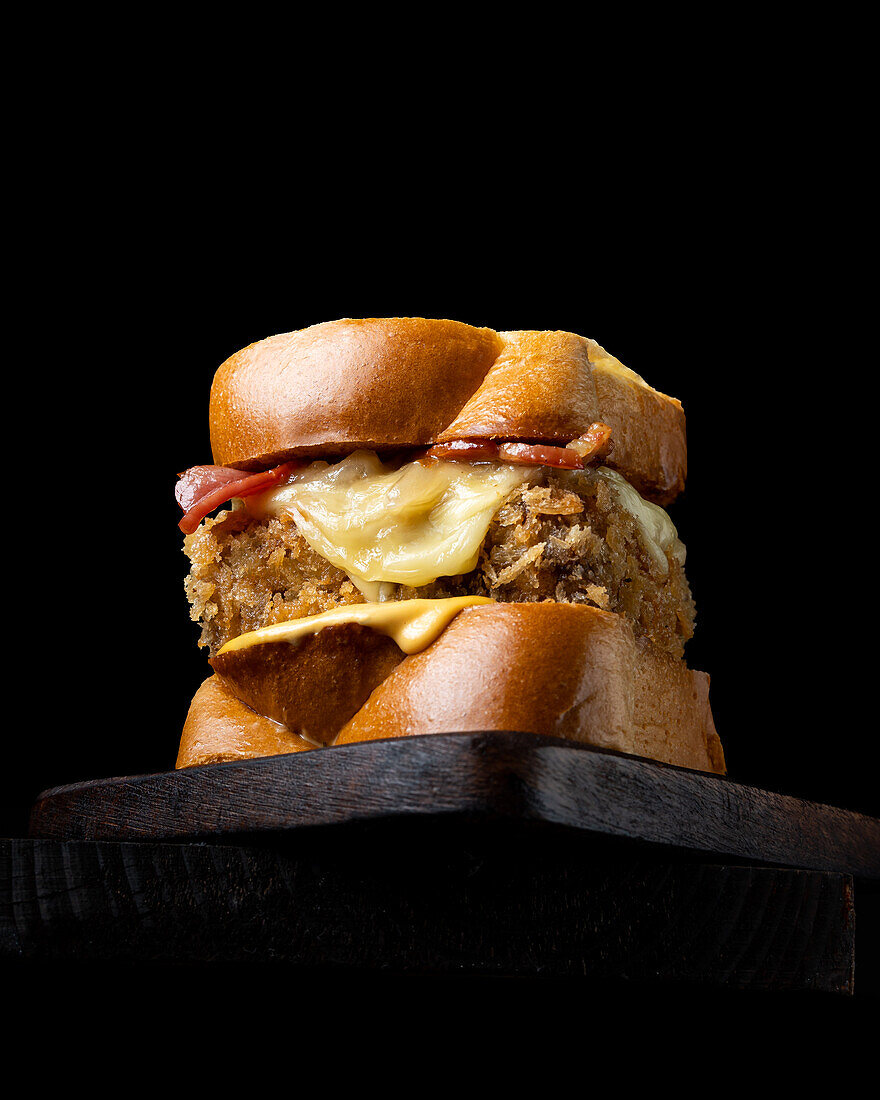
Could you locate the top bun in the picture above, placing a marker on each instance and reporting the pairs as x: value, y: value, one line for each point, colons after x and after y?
x: 387, y: 383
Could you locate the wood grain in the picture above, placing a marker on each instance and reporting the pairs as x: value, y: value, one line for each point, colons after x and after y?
x: 436, y: 897
x: 509, y: 776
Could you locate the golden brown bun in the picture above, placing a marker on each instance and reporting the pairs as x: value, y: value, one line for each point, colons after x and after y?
x: 395, y: 382
x: 561, y: 670
x: 315, y: 685
x: 220, y: 727
x: 565, y: 670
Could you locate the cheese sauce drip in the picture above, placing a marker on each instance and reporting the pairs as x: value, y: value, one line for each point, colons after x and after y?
x: 413, y: 624
x: 394, y: 526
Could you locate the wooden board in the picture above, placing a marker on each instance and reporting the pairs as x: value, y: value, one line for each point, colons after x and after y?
x: 469, y: 776
x: 432, y: 897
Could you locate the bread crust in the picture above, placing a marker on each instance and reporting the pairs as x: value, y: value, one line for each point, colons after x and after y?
x: 314, y: 685
x: 220, y: 728
x: 386, y: 383
x: 562, y: 670
x: 341, y: 385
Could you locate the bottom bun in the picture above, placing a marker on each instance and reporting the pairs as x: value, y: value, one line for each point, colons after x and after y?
x: 561, y: 670
x: 220, y: 727
x: 313, y: 685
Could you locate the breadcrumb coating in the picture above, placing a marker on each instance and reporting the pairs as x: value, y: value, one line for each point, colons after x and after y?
x: 564, y: 538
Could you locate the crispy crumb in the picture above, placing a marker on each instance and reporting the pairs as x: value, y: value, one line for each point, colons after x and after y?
x: 566, y: 539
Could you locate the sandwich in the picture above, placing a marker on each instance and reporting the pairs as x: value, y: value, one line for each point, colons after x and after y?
x: 416, y: 526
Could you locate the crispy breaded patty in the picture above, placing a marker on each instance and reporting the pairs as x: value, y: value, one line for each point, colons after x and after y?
x: 565, y: 538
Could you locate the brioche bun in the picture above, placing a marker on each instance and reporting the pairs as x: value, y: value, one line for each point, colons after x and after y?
x: 313, y: 685
x: 560, y: 670
x: 390, y: 383
x: 219, y: 728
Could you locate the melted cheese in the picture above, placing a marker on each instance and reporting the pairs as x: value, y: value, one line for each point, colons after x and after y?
x: 411, y: 525
x: 603, y: 363
x: 385, y: 526
x: 413, y: 624
x: 657, y: 529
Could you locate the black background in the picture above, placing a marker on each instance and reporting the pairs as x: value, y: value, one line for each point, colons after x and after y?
x: 713, y: 247
x: 724, y: 308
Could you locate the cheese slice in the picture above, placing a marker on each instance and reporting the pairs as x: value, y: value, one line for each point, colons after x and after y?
x: 386, y: 526
x: 658, y: 531
x: 413, y: 624
x: 382, y: 526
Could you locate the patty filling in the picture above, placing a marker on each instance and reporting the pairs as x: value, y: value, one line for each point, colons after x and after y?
x: 565, y: 536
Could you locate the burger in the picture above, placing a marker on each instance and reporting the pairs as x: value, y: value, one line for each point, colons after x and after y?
x: 416, y: 526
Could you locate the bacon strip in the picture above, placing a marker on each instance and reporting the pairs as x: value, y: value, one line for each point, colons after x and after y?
x: 465, y: 450
x: 594, y: 443
x: 536, y: 454
x: 201, y: 489
x: 521, y: 454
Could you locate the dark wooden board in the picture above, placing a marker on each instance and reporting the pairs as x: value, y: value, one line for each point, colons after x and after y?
x: 433, y: 898
x: 491, y: 775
